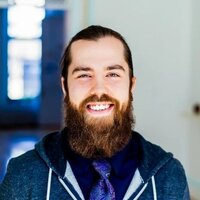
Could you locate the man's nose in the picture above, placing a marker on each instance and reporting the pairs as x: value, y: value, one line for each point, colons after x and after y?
x: 99, y: 87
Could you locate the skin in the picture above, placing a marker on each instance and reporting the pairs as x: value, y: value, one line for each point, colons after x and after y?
x: 98, y: 67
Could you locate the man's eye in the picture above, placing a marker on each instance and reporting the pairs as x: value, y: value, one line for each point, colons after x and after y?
x: 113, y: 75
x: 84, y: 76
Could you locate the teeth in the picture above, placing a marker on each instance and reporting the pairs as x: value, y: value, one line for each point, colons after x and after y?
x: 99, y: 107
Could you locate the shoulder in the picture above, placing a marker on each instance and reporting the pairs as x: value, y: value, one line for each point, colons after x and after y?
x: 169, y: 174
x: 173, y: 172
x: 171, y: 180
x: 29, y: 161
x: 21, y: 172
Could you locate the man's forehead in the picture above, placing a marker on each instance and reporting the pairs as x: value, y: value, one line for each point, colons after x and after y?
x: 106, y: 53
x: 107, y: 41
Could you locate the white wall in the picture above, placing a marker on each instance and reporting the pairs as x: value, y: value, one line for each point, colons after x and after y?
x: 194, y: 139
x: 160, y: 34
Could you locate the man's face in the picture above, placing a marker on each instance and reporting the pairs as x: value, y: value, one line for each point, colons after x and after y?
x: 97, y: 68
x: 98, y: 99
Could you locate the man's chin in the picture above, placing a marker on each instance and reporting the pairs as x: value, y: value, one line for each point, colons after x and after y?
x: 103, y: 120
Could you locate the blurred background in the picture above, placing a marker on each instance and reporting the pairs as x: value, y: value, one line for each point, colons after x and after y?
x: 165, y: 40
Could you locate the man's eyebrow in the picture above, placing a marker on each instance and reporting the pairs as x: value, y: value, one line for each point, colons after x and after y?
x: 80, y: 68
x: 113, y: 67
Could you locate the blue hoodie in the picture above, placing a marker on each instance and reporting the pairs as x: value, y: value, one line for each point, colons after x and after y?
x: 44, y: 173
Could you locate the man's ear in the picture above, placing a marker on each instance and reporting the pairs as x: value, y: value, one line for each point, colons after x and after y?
x: 63, y: 86
x: 133, y: 83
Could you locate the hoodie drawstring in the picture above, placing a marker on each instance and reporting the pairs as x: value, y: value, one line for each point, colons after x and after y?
x: 68, y: 190
x: 141, y: 191
x: 154, y: 188
x: 144, y: 187
x: 49, y: 184
x: 61, y: 181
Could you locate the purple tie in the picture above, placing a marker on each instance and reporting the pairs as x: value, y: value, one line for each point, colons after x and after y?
x: 102, y: 190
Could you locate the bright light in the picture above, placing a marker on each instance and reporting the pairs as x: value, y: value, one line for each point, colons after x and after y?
x: 24, y: 68
x: 24, y: 13
x: 24, y: 31
x: 15, y: 68
x: 15, y: 80
x: 25, y: 21
x: 25, y: 48
x: 15, y: 88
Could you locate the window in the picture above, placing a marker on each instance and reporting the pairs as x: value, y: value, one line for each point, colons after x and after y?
x: 24, y: 49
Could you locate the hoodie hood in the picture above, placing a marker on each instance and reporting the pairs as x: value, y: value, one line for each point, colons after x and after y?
x: 53, y: 148
x: 153, y: 157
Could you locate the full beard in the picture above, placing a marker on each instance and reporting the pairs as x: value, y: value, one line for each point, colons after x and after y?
x: 97, y: 138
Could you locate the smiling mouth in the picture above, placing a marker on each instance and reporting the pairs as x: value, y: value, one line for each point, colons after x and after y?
x: 100, y: 107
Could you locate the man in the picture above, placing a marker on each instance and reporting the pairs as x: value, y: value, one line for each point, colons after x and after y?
x: 97, y: 155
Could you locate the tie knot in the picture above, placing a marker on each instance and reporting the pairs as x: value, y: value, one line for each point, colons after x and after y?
x: 102, y: 167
